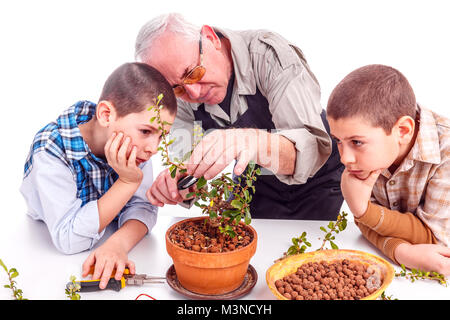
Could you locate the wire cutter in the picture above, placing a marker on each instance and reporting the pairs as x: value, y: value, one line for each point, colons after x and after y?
x: 127, y: 279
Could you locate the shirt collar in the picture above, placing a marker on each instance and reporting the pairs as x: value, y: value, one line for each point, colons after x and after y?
x: 75, y: 146
x: 243, y: 70
x: 426, y: 147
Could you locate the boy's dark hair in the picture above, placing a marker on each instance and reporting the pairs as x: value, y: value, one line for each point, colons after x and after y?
x: 378, y: 93
x: 132, y: 87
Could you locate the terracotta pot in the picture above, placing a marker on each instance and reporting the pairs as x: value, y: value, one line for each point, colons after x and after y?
x: 210, y: 273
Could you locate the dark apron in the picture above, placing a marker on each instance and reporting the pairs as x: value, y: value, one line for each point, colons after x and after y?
x: 320, y: 198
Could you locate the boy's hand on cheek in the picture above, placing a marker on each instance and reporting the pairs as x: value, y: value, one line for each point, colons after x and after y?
x: 357, y: 191
x: 116, y: 154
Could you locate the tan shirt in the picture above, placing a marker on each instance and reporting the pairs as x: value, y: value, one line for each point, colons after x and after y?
x: 413, y: 204
x: 266, y: 60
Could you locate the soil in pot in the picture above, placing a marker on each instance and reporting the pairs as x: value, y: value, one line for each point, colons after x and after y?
x: 337, y: 280
x: 204, y: 236
x: 210, y: 273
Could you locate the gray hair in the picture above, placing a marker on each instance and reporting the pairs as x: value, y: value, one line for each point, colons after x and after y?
x: 172, y: 22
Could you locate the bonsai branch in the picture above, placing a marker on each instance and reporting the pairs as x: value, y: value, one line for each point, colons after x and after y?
x: 222, y: 199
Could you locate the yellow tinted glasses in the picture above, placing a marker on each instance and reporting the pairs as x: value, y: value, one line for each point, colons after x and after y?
x: 193, y: 76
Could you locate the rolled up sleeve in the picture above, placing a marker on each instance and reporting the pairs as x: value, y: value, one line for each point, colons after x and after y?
x: 294, y: 101
x: 50, y: 193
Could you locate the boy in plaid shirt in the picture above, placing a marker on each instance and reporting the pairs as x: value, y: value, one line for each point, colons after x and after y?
x: 397, y: 158
x: 91, y: 167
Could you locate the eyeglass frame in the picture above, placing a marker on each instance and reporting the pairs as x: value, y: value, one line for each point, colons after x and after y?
x: 200, y: 46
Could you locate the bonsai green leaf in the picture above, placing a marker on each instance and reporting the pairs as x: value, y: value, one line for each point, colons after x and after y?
x: 248, y: 218
x: 173, y: 171
x: 3, y: 265
x: 333, y: 245
x: 217, y: 182
x: 236, y: 204
x: 213, y: 193
x: 251, y: 166
x: 201, y: 183
x: 13, y: 273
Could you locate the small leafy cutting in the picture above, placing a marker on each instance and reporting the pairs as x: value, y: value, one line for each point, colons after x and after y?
x: 383, y: 296
x: 13, y: 273
x: 298, y: 245
x: 72, y: 289
x: 222, y: 199
x: 416, y: 274
x: 301, y: 243
x: 335, y: 227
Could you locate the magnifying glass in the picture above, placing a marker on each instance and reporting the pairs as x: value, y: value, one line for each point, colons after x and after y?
x: 186, y: 182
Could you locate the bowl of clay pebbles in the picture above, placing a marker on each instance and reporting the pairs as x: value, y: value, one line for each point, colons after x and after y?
x: 330, y: 275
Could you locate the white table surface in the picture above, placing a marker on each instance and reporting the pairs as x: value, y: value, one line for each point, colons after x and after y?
x: 43, y: 272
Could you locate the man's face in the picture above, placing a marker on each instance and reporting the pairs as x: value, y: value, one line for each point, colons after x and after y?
x: 175, y: 56
x: 144, y: 134
x: 363, y: 148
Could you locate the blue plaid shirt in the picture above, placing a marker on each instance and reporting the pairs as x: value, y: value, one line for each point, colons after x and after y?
x: 63, y: 140
x: 63, y: 179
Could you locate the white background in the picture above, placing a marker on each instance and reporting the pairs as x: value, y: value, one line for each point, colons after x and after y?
x: 54, y: 53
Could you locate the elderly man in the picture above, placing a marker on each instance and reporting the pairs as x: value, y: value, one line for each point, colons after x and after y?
x: 258, y: 90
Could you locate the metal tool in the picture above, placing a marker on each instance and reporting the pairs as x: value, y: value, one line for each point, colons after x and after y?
x: 117, y: 285
x: 186, y: 182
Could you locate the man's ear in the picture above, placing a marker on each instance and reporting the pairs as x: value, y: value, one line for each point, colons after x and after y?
x: 211, y: 35
x: 105, y: 113
x: 405, y: 127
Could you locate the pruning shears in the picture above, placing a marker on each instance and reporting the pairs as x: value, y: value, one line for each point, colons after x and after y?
x: 117, y: 285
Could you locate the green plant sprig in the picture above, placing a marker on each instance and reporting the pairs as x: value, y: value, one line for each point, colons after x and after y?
x: 383, y: 296
x: 301, y: 244
x: 72, y: 289
x: 13, y: 273
x: 334, y: 227
x: 223, y: 200
x: 164, y: 148
x: 417, y: 274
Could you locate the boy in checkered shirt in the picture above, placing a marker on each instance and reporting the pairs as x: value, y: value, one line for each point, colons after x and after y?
x: 91, y: 167
x: 397, y: 166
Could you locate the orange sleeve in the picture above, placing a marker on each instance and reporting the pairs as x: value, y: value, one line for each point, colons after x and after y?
x: 395, y: 224
x: 387, y: 245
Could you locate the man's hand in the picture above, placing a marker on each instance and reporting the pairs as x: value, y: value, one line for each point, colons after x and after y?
x: 219, y: 148
x: 426, y: 257
x: 116, y: 154
x: 357, y: 191
x: 164, y: 190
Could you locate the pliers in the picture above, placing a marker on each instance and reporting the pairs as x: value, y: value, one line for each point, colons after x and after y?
x: 127, y: 279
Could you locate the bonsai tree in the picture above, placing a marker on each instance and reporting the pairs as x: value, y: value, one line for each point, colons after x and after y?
x: 224, y: 201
